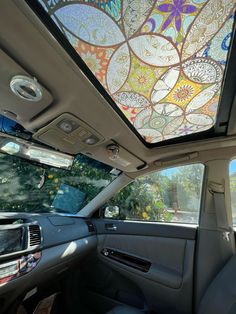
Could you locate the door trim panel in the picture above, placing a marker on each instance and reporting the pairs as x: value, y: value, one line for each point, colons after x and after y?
x: 140, y: 228
x: 167, y: 286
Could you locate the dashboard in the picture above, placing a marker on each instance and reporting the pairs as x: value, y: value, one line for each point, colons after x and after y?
x: 37, y: 247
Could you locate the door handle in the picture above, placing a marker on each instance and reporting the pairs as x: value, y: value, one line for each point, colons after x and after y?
x: 110, y: 227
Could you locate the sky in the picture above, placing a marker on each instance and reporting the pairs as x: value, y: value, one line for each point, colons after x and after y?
x: 232, y: 167
x: 171, y: 171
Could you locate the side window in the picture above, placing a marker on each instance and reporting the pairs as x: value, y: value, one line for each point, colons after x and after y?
x: 232, y: 178
x: 170, y: 195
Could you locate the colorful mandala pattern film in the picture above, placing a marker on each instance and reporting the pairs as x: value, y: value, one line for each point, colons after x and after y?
x: 161, y: 61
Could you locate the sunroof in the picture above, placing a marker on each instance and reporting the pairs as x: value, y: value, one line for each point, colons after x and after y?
x: 162, y: 62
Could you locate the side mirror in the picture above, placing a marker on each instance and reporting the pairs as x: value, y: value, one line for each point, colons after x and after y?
x: 112, y: 212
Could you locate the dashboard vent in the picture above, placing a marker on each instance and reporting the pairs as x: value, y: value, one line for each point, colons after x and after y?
x: 90, y: 226
x: 34, y: 235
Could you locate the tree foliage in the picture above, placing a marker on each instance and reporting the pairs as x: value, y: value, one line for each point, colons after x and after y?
x: 19, y: 183
x: 161, y: 196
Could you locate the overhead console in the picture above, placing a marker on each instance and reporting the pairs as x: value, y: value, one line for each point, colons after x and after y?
x: 72, y: 135
x: 69, y: 134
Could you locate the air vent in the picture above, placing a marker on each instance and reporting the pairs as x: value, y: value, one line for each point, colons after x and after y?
x: 90, y: 226
x: 34, y: 235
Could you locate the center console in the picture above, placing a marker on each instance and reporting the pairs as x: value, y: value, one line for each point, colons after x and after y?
x: 20, y: 248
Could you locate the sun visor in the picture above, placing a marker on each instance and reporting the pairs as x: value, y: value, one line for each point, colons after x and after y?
x: 113, y: 154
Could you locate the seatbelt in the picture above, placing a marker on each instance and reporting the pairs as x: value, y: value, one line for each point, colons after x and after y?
x: 226, y: 240
x: 218, y: 192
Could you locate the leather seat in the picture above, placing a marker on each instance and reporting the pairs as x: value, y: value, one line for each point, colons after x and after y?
x: 123, y: 309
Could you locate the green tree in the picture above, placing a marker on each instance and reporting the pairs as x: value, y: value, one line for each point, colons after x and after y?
x: 188, y: 180
x: 161, y: 195
x: 19, y: 182
x: 142, y: 200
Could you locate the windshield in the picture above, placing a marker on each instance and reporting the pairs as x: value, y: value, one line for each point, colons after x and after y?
x: 34, y: 188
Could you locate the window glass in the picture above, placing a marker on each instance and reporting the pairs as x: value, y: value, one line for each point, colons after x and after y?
x: 171, y: 195
x: 232, y: 177
x: 36, y: 188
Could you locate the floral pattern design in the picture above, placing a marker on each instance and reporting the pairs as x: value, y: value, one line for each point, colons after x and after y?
x: 176, y: 9
x: 182, y: 93
x: 96, y: 59
x: 162, y: 61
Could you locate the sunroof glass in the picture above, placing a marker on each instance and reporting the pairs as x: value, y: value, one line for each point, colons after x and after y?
x: 162, y: 62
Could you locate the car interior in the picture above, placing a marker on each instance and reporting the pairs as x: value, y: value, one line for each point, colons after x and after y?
x: 117, y: 157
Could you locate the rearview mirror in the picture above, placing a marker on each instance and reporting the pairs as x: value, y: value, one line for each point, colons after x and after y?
x: 31, y: 151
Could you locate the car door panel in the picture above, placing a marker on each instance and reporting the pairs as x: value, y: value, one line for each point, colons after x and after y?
x: 166, y: 255
x: 146, y: 228
x: 167, y: 285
